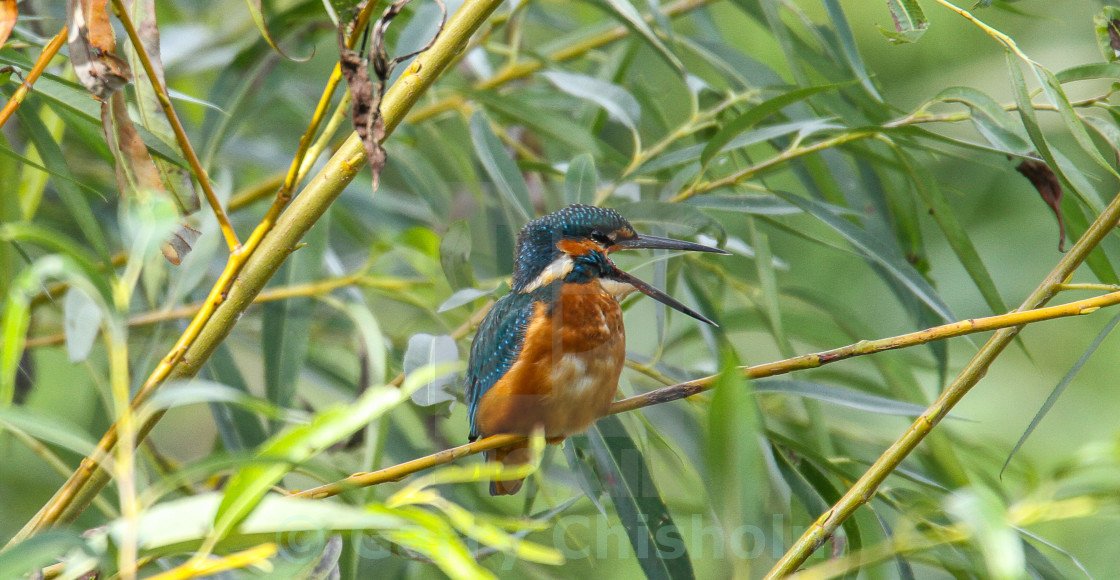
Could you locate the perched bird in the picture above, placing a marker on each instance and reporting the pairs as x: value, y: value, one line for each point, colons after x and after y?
x: 550, y: 352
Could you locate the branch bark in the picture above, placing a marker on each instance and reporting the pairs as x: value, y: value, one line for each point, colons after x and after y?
x: 310, y: 205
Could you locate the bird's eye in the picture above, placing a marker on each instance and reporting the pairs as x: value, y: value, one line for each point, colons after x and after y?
x: 601, y: 238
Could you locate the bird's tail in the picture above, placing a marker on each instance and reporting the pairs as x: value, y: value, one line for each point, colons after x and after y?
x: 510, y: 456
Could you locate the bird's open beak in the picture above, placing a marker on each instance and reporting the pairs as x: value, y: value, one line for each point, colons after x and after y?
x: 656, y: 243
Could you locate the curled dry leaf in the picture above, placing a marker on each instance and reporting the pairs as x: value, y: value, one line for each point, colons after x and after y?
x: 365, y: 108
x: 8, y: 14
x: 181, y: 243
x: 93, y: 48
x: 1048, y: 186
x: 136, y: 171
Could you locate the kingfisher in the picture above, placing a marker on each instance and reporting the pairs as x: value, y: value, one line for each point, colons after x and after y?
x: 550, y: 352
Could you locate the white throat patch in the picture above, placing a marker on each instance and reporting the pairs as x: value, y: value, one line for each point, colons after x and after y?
x: 616, y: 288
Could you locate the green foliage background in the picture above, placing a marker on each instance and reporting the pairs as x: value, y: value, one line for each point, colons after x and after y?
x: 750, y: 461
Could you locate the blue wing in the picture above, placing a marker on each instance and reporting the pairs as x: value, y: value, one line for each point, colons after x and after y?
x: 495, y: 348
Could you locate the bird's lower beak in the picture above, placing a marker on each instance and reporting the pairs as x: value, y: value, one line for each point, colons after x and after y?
x: 656, y: 243
x: 658, y: 295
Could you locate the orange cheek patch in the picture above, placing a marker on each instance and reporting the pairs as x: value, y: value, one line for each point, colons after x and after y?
x: 577, y: 247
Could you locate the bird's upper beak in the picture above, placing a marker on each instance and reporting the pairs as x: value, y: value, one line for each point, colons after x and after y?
x: 656, y: 243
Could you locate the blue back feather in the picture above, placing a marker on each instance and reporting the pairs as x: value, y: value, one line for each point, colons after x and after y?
x: 495, y: 348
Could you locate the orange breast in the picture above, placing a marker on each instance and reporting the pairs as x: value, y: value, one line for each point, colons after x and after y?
x: 567, y: 374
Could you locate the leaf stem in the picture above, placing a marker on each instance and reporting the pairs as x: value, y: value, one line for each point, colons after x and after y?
x: 49, y: 51
x: 176, y: 126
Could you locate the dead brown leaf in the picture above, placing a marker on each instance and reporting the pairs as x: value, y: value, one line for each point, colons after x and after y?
x: 9, y: 12
x: 1048, y: 186
x: 365, y: 108
x: 93, y: 48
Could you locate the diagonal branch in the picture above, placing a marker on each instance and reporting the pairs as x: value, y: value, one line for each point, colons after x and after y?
x: 225, y: 308
x: 865, y: 488
x: 49, y: 51
x: 1013, y: 320
x: 180, y: 134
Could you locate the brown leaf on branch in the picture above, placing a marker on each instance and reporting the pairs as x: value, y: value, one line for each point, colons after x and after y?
x: 180, y: 244
x: 365, y: 108
x: 137, y: 174
x: 1048, y: 186
x: 9, y: 12
x: 176, y: 180
x: 93, y: 48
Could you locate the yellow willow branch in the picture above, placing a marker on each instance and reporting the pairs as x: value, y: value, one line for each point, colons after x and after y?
x: 864, y: 489
x: 911, y: 540
x: 689, y: 388
x: 177, y: 127
x: 282, y: 293
x: 253, y: 269
x: 193, y: 569
x: 49, y: 51
x: 788, y: 154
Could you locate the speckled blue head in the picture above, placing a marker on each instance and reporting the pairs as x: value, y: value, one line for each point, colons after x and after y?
x: 537, y: 242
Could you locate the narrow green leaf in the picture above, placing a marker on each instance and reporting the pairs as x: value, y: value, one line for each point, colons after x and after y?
x: 198, y: 391
x: 464, y: 296
x: 615, y: 100
x: 423, y: 350
x: 849, y: 48
x: 286, y: 324
x: 257, y: 14
x: 295, y: 445
x: 735, y: 454
x: 500, y: 167
x: 581, y: 181
x: 82, y: 322
x: 455, y: 256
x: 910, y: 21
x: 873, y: 249
x: 625, y: 13
x: 754, y: 204
x: 39, y: 551
x: 926, y: 186
x: 238, y: 428
x: 58, y: 242
x: 622, y: 471
x: 66, y: 186
x: 986, y: 519
x: 522, y: 110
x: 1084, y: 72
x: 48, y: 429
x: 1057, y: 97
x: 1061, y: 388
x: 756, y: 114
x: 990, y: 119
x: 840, y: 396
x: 1060, y: 166
x: 691, y: 153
